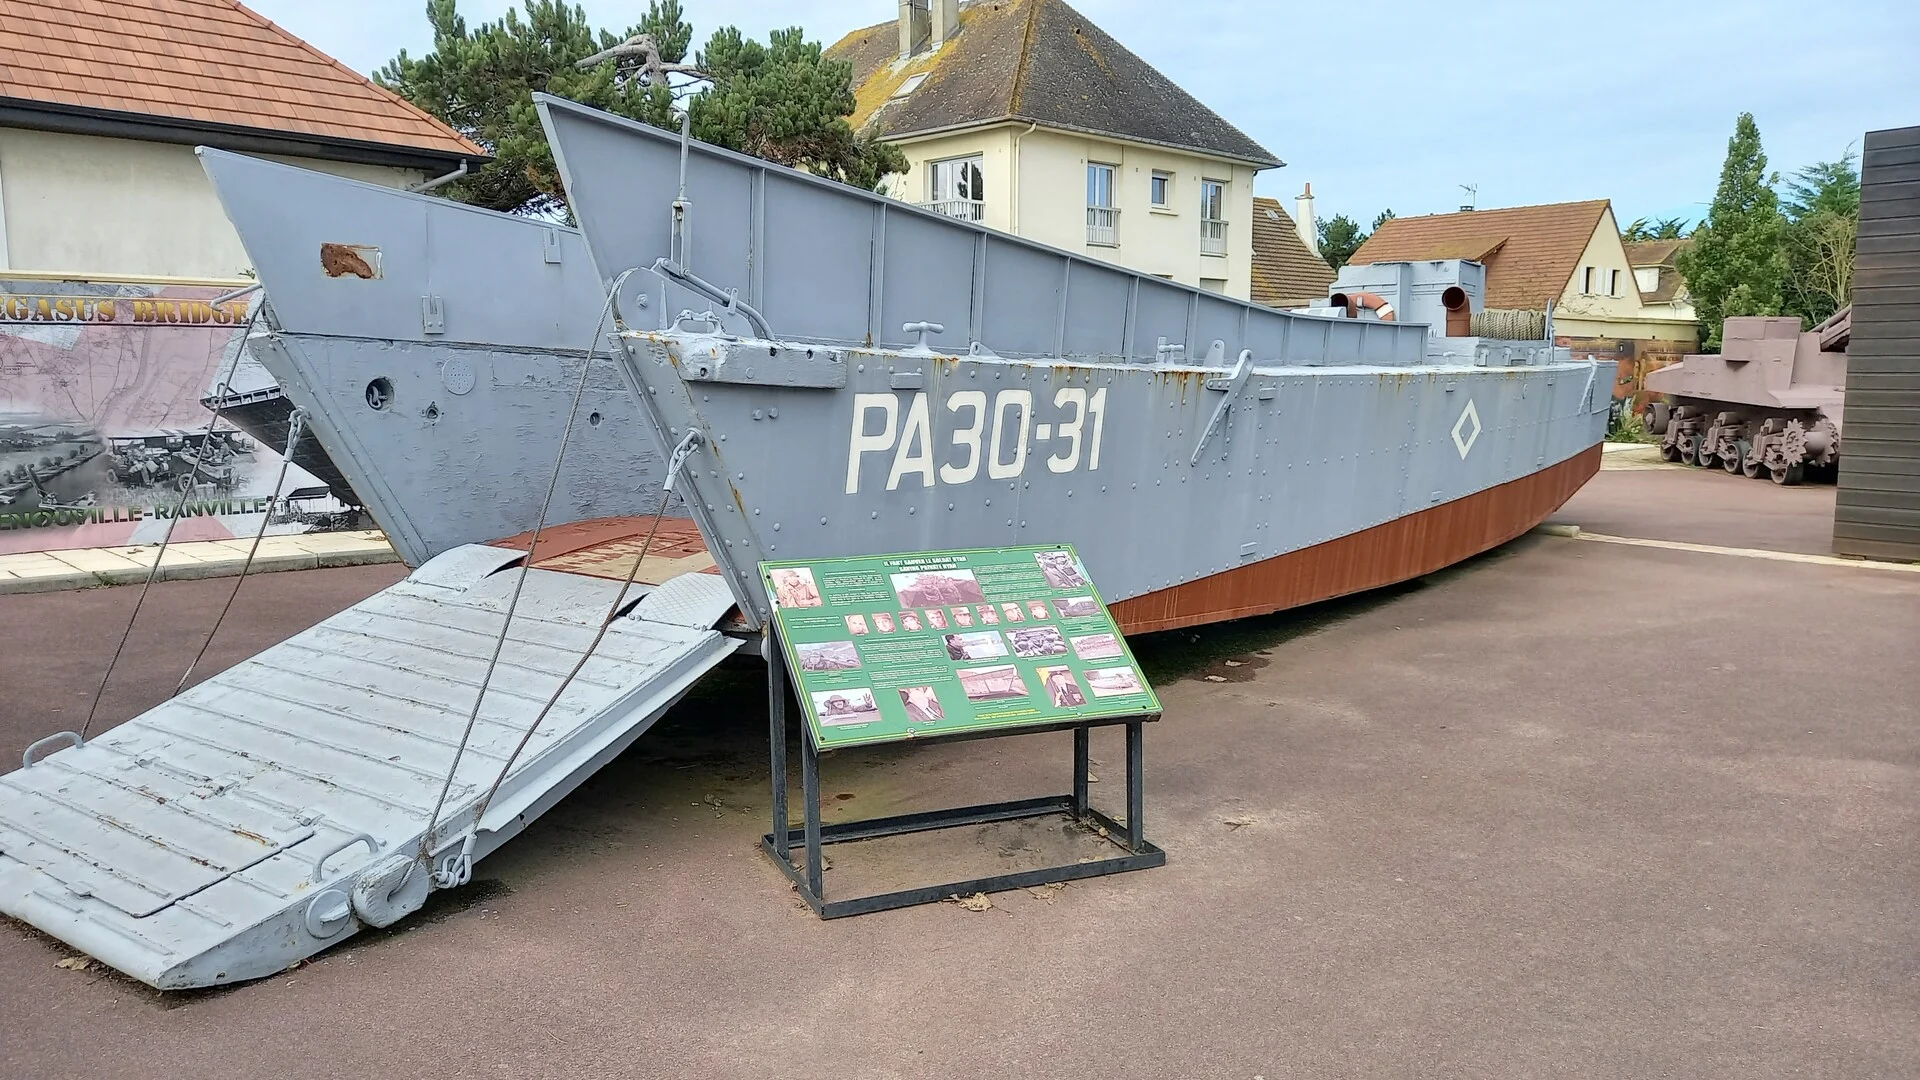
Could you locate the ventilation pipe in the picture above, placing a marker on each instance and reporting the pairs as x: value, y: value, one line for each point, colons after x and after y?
x: 1354, y: 302
x: 1459, y: 311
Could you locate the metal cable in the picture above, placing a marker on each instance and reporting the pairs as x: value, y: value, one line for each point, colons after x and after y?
x: 526, y: 565
x: 226, y: 388
x: 295, y: 426
x: 613, y: 612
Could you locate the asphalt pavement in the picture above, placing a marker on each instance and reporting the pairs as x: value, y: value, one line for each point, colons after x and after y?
x: 1570, y: 809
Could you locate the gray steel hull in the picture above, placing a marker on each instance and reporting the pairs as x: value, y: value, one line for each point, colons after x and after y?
x: 1086, y: 427
x: 475, y: 323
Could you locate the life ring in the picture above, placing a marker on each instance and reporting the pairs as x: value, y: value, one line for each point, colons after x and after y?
x: 1373, y: 302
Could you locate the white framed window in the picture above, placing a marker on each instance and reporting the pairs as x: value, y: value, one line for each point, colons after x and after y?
x: 1161, y: 190
x: 1213, y: 217
x: 1214, y: 284
x: 957, y: 188
x: 1613, y: 283
x: 1586, y: 281
x: 1103, y: 218
x: 913, y: 83
x: 1647, y: 278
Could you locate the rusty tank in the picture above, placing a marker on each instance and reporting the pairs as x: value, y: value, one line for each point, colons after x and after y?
x: 1768, y: 405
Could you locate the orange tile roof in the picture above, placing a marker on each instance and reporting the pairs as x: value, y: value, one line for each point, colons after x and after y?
x: 1285, y: 272
x: 1530, y: 251
x: 202, y: 62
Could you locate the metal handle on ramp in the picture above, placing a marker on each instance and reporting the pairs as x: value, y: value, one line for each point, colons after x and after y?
x: 74, y: 737
x: 373, y: 848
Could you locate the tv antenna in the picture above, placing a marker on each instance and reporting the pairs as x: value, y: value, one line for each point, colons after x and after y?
x: 1473, y: 195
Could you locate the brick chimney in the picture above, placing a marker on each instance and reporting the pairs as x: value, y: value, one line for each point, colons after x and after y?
x: 946, y: 20
x: 915, y: 26
x: 1303, y: 222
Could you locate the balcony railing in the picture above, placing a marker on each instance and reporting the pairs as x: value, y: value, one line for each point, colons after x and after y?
x: 1103, y: 226
x: 964, y: 209
x: 1213, y: 238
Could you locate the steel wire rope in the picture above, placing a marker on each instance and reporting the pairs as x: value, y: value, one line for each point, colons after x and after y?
x: 226, y: 387
x: 613, y: 612
x: 526, y: 565
x: 294, y: 427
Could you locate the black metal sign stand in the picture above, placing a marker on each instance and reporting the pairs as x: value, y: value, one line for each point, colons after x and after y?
x: 1137, y: 853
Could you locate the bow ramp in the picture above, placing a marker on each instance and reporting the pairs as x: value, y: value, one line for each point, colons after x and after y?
x: 277, y: 808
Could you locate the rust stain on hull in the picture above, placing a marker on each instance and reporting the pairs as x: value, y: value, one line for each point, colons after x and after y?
x: 1398, y: 550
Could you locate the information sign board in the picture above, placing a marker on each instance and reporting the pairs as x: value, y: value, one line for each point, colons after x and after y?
x: 889, y: 647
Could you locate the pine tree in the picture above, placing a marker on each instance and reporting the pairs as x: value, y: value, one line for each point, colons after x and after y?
x: 1823, y: 222
x: 783, y: 101
x: 1737, y: 265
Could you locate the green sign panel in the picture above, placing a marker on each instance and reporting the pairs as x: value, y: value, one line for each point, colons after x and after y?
x: 889, y: 647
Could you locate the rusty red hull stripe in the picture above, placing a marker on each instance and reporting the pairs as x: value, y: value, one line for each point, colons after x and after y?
x: 1399, y: 550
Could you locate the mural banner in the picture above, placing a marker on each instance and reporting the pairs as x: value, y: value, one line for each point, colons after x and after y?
x: 890, y: 647
x: 106, y: 434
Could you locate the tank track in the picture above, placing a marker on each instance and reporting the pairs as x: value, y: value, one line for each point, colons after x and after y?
x: 1785, y: 447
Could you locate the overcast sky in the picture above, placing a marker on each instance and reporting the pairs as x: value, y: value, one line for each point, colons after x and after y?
x: 1396, y: 104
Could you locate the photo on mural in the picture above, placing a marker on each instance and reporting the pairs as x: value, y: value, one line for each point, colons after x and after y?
x: 107, y: 430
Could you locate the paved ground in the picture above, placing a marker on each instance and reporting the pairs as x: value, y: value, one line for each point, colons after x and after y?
x: 1508, y: 822
x: 1636, y: 494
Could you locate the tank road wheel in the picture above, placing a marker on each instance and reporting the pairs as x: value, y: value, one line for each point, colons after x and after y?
x: 1751, y: 465
x: 1670, y: 450
x: 1658, y: 414
x: 1788, y: 475
x: 1703, y: 453
x: 1733, y: 462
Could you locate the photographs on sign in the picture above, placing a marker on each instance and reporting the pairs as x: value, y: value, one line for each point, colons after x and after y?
x: 1037, y: 609
x: 937, y: 619
x: 910, y: 621
x: 1113, y: 682
x: 1063, y: 691
x: 923, y: 705
x: 842, y: 708
x: 793, y: 587
x: 1096, y: 647
x: 979, y: 646
x: 992, y: 683
x: 989, y: 615
x: 1014, y: 612
x: 1076, y: 607
x: 856, y: 624
x: 883, y: 622
x: 1061, y: 570
x: 1035, y: 641
x: 962, y: 616
x: 828, y: 656
x: 931, y: 588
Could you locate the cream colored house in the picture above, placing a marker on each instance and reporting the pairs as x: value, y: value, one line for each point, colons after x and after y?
x: 1567, y: 255
x: 1024, y: 116
x: 98, y: 177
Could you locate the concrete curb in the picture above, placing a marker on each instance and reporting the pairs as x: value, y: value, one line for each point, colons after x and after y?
x: 86, y: 568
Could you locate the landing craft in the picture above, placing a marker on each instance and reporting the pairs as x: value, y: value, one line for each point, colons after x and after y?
x: 828, y: 373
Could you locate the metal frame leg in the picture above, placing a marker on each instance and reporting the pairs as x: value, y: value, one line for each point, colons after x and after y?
x: 1081, y: 765
x: 810, y: 793
x: 1136, y: 782
x: 777, y: 742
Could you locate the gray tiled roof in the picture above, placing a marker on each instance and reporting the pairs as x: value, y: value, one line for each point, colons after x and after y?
x: 1032, y: 61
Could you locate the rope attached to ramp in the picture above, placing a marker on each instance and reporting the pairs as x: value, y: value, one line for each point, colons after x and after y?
x: 425, y: 855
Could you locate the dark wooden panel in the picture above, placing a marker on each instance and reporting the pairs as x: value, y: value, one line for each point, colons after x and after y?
x: 1877, y: 507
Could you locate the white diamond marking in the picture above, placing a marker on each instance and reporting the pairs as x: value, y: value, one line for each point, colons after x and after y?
x: 1464, y: 443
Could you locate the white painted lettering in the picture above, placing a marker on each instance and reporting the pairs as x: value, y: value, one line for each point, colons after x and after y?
x: 997, y: 467
x: 968, y: 437
x: 917, y: 431
x: 862, y: 443
x: 1069, y: 429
